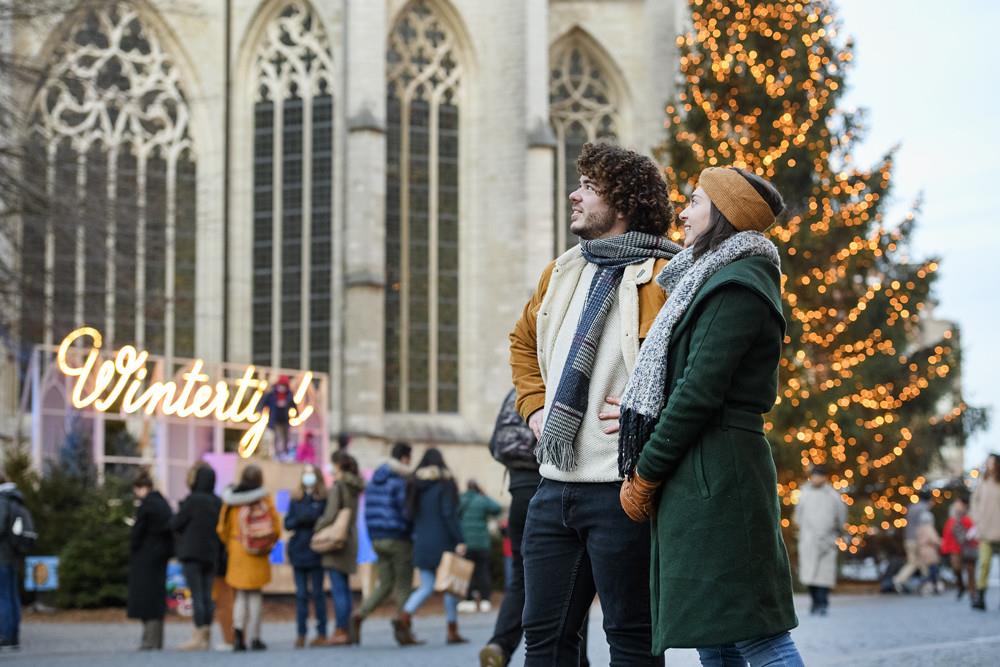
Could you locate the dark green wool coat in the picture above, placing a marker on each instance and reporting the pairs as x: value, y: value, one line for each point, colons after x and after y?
x: 719, y: 569
x: 474, y: 512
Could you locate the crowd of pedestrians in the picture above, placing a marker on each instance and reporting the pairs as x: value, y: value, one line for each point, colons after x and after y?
x: 414, y: 516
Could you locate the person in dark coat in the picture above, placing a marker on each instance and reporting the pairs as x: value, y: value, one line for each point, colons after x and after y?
x: 150, y: 547
x: 513, y: 445
x: 303, y: 512
x: 10, y: 565
x: 692, y: 421
x: 389, y: 528
x: 433, y: 503
x: 279, y: 402
x: 475, y: 509
x: 197, y: 548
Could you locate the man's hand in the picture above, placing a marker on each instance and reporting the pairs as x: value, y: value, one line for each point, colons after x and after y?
x: 535, y: 423
x: 637, y: 496
x: 612, y: 415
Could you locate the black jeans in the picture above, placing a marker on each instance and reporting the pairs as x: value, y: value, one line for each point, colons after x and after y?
x: 578, y: 542
x: 199, y: 580
x: 507, y: 631
x: 481, y: 576
x: 820, y: 598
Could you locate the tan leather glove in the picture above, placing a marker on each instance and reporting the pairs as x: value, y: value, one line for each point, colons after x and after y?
x: 637, y: 497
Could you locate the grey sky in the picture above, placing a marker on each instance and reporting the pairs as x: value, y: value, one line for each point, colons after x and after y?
x: 927, y: 74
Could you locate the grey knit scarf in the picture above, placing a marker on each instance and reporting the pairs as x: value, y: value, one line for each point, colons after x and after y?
x: 646, y: 391
x: 611, y: 255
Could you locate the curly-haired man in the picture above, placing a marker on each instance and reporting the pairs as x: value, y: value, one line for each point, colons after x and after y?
x: 571, y: 354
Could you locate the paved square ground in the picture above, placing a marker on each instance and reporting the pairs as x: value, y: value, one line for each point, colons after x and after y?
x: 861, y: 631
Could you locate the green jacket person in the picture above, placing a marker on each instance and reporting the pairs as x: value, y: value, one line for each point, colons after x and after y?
x: 692, y: 431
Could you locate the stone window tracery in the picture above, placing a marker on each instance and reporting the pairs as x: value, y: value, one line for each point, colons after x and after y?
x: 424, y: 78
x: 111, y: 149
x: 293, y: 192
x: 583, y: 107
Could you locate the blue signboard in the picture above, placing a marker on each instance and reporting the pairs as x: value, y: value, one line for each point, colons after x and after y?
x: 41, y: 573
x: 281, y: 501
x: 277, y: 556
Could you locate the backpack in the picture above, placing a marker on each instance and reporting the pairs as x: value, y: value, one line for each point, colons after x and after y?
x: 257, y: 534
x: 513, y: 442
x: 20, y: 528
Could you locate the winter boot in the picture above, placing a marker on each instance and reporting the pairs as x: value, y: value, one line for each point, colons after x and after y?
x: 341, y: 637
x: 258, y: 645
x: 355, y: 627
x: 238, y: 643
x: 453, y: 636
x: 979, y: 600
x: 402, y: 628
x: 198, y: 642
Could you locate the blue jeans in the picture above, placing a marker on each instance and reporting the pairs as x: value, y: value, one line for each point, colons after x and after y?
x: 776, y: 651
x: 424, y: 591
x: 341, y: 592
x: 578, y: 543
x: 10, y: 605
x: 309, y: 584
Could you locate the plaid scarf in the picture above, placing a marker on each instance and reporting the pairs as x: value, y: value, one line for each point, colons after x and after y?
x: 611, y: 255
x: 646, y: 391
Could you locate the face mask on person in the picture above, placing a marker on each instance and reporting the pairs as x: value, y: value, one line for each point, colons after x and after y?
x: 309, y: 480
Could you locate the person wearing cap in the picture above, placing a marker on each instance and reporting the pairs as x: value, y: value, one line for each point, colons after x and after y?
x: 692, y: 434
x: 820, y: 515
x: 279, y: 403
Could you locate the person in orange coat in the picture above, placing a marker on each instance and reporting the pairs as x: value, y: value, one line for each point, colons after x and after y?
x: 243, y: 528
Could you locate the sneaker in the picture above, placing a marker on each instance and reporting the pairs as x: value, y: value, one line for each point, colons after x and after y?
x: 485, y: 606
x: 467, y: 607
x: 223, y: 647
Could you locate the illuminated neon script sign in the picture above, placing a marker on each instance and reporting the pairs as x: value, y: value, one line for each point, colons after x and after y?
x: 119, y: 384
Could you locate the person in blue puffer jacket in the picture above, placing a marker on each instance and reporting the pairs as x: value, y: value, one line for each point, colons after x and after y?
x: 389, y: 529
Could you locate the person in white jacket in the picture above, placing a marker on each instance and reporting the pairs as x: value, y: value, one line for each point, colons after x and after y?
x: 820, y: 515
x: 986, y: 518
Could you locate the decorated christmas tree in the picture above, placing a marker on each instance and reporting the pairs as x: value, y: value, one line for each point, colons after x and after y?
x: 862, y: 388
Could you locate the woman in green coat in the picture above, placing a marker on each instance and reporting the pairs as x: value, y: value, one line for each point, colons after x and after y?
x: 342, y: 563
x: 692, y: 443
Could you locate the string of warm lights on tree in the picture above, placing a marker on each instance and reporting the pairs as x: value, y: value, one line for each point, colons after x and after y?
x: 859, y: 388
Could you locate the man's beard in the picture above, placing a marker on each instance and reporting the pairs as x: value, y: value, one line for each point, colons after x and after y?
x: 595, y: 225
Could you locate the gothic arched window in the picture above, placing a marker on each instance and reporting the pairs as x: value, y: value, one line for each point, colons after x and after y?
x: 293, y: 193
x: 421, y: 306
x: 583, y: 107
x: 110, y: 154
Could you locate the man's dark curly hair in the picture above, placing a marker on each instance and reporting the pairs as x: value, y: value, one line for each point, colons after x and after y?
x: 631, y: 184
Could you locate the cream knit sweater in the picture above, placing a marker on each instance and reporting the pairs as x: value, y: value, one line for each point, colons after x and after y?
x: 597, y: 451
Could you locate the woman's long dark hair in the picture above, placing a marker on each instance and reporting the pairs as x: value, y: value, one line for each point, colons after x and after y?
x: 251, y: 478
x: 995, y: 476
x: 432, y: 458
x: 719, y: 227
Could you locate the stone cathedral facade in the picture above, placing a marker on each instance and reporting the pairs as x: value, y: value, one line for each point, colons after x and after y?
x: 364, y: 188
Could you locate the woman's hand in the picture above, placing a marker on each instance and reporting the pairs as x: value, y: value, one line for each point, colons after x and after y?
x: 612, y: 415
x: 636, y: 497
